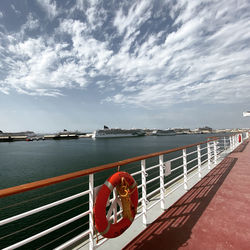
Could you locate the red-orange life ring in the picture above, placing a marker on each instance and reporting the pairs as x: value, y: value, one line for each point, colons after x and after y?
x: 103, y: 226
x: 239, y: 138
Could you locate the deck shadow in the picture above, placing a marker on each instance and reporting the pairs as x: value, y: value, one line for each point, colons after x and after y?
x: 174, y: 227
x: 241, y: 147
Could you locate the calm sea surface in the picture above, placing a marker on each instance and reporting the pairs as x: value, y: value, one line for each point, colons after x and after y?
x: 23, y: 162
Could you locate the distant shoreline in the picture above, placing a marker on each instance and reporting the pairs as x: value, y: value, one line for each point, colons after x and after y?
x: 12, y: 137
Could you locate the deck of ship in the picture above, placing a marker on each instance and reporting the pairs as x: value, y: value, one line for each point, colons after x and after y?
x: 213, y: 214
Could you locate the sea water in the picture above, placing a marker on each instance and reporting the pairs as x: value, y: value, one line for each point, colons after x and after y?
x: 23, y: 162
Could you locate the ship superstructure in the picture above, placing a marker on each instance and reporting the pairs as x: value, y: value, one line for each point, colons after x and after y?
x: 117, y: 132
x: 164, y: 132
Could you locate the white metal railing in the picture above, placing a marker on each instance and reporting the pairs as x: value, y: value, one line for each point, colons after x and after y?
x: 157, y: 181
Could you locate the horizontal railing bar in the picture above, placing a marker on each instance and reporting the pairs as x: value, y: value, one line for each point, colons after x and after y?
x: 111, y: 200
x: 43, y: 196
x: 66, y: 177
x: 174, y: 169
x: 203, y: 148
x: 70, y: 242
x: 138, y: 215
x: 41, y: 221
x: 190, y: 177
x: 39, y: 235
x: 190, y: 170
x: 61, y: 236
x: 204, y: 154
x: 175, y: 159
x: 156, y: 190
x: 138, y: 172
x: 39, y: 209
x: 157, y: 177
x: 190, y: 153
x: 150, y: 174
x: 100, y: 242
x: 205, y: 166
x: 173, y: 180
x: 118, y: 213
x: 139, y: 200
x: 195, y: 159
x: 204, y: 161
x: 181, y: 184
x: 152, y: 205
x: 150, y: 168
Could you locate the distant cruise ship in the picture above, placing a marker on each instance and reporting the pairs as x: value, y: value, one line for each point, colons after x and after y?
x: 164, y: 132
x: 117, y: 132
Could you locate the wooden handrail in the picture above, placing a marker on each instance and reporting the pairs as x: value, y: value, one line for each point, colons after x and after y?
x: 47, y: 182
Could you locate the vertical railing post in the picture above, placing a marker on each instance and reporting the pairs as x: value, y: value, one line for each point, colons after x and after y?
x: 91, y: 206
x: 115, y: 206
x: 231, y: 143
x: 184, y: 152
x: 162, y: 188
x: 224, y: 143
x: 215, y: 152
x: 208, y: 156
x: 144, y: 192
x: 199, y: 160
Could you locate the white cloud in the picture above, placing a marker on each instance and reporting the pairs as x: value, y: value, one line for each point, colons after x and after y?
x: 37, y: 68
x: 81, y: 5
x: 43, y: 66
x: 88, y: 50
x: 14, y: 9
x: 95, y: 14
x: 49, y: 6
x: 31, y: 24
x: 4, y: 90
x: 137, y: 14
x: 199, y: 53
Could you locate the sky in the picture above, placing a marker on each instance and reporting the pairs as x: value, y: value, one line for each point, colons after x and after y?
x: 79, y: 65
